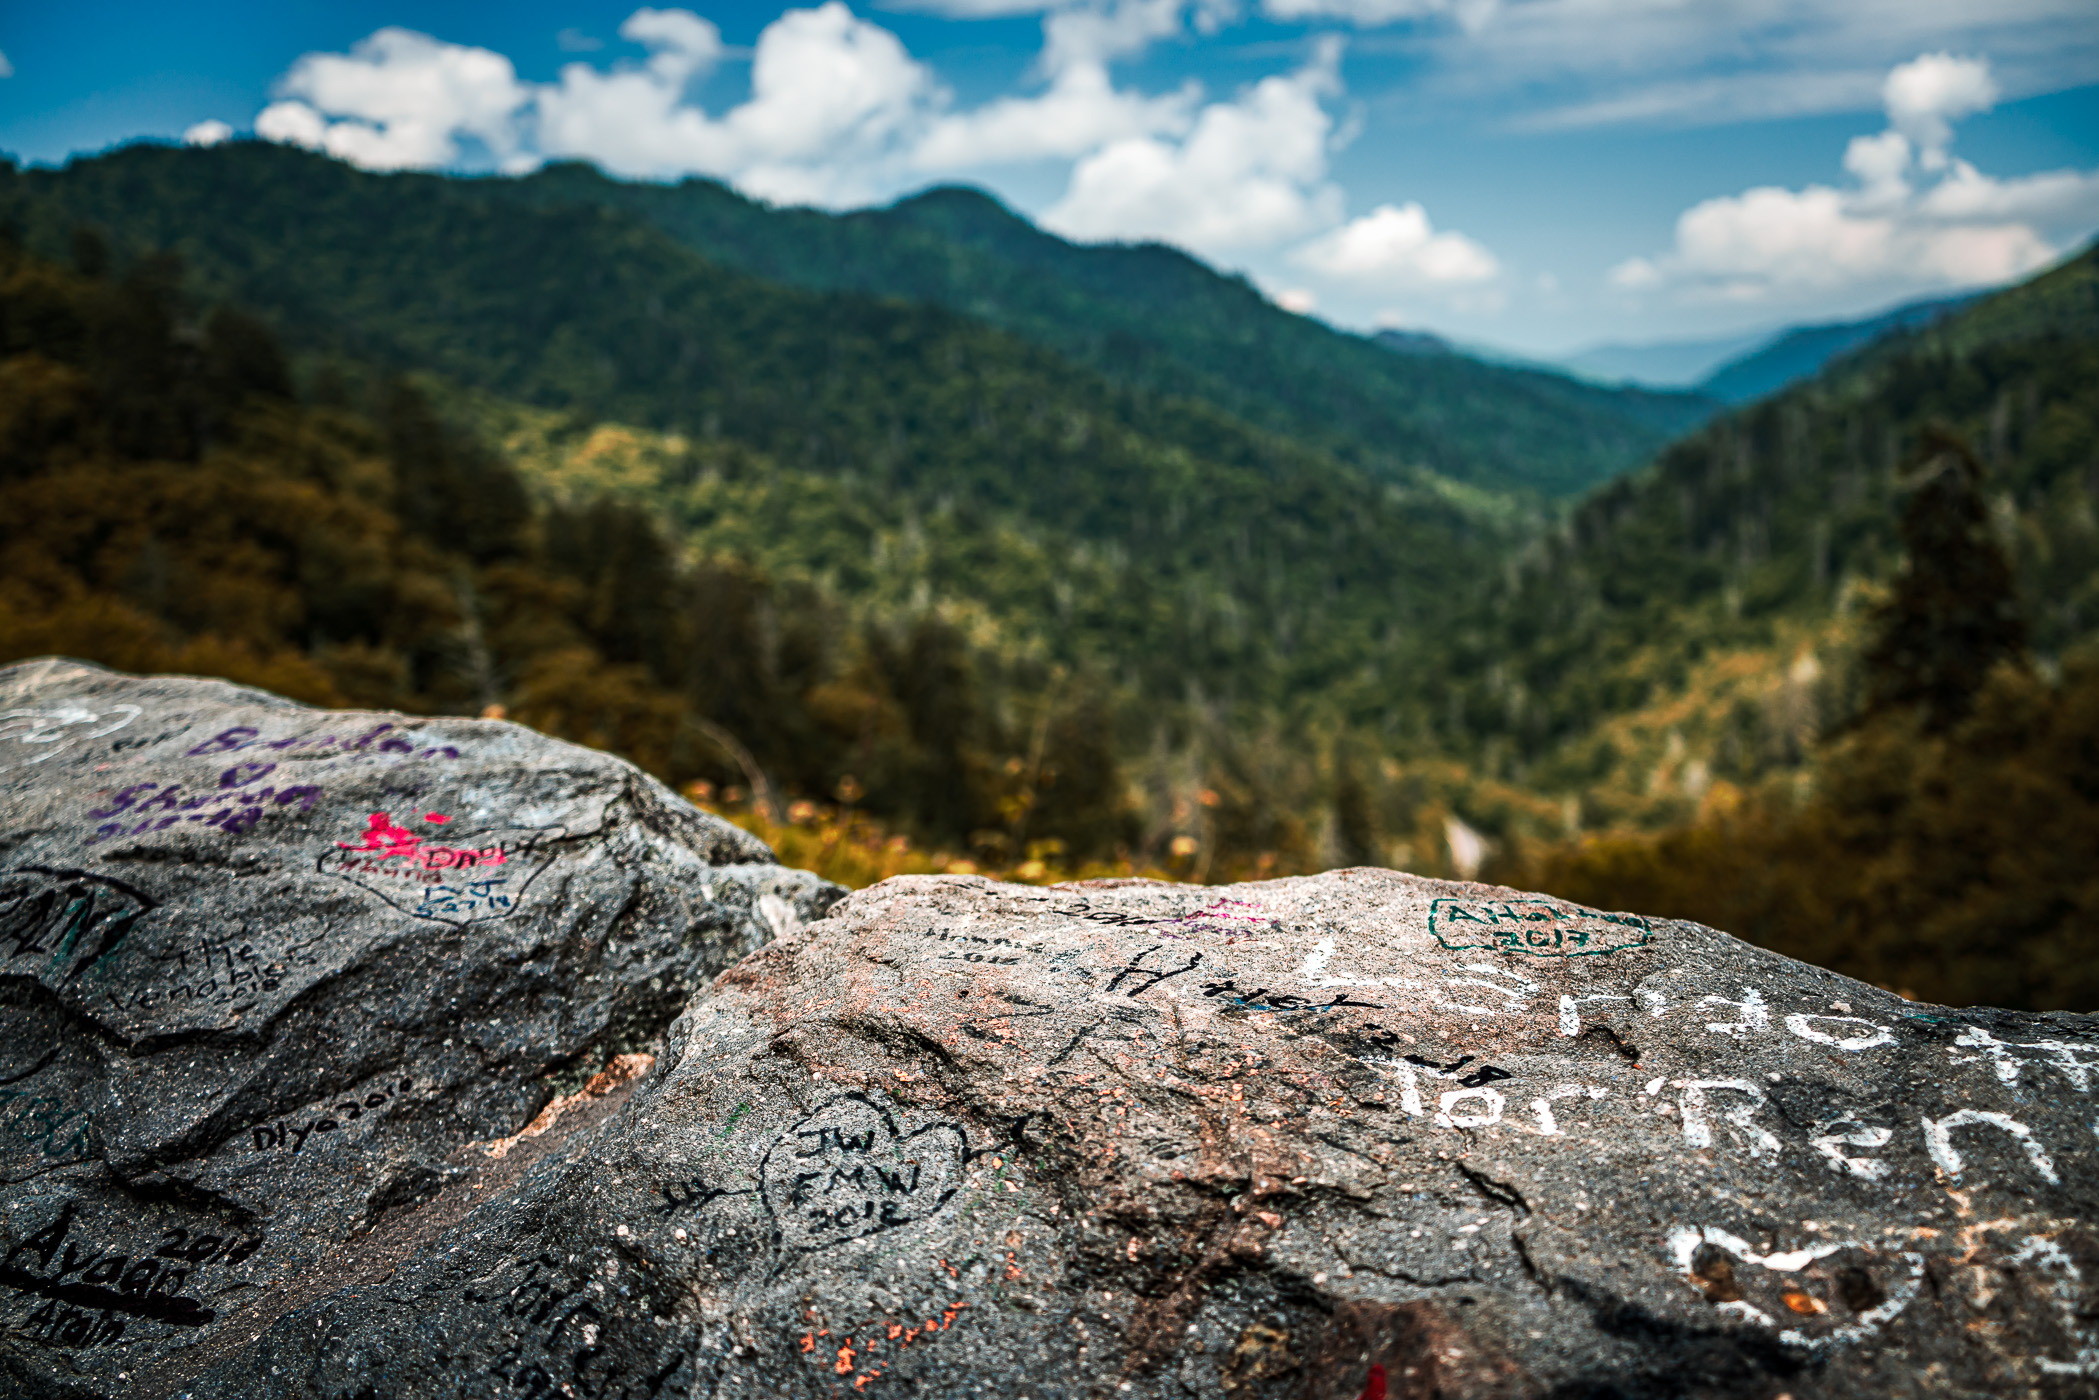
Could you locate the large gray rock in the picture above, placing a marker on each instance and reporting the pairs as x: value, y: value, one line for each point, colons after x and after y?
x: 963, y: 1139
x: 270, y: 976
x: 1123, y: 1139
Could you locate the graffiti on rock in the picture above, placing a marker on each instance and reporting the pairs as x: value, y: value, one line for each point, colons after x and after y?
x: 849, y: 1170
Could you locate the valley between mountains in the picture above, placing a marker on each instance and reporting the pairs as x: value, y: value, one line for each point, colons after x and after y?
x: 974, y: 547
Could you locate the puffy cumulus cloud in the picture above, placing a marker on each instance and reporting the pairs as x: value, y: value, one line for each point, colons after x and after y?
x: 1249, y: 173
x: 1771, y: 242
x: 634, y: 120
x: 208, y: 133
x: 399, y: 99
x: 1081, y: 111
x: 832, y: 100
x: 1394, y: 248
x: 1916, y: 218
x: 838, y: 111
x: 827, y: 90
x: 1931, y: 92
x: 1097, y: 34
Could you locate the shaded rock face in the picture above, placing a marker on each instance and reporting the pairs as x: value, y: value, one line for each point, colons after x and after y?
x: 1362, y: 1134
x: 964, y: 1139
x: 271, y: 977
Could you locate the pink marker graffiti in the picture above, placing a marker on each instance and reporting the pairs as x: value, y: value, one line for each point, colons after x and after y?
x: 392, y: 841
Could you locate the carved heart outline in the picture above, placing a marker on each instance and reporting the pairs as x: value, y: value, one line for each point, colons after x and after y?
x: 1684, y: 1244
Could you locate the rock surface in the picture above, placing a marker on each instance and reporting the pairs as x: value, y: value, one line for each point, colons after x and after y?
x: 965, y: 1139
x: 272, y: 976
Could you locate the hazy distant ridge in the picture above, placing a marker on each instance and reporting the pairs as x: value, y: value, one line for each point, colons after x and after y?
x: 1737, y: 369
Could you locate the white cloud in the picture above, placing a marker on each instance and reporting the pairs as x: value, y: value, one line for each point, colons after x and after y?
x: 1884, y: 234
x: 1081, y: 111
x: 1931, y: 92
x: 1297, y: 301
x: 1713, y: 98
x: 1249, y: 173
x: 208, y: 133
x: 831, y: 98
x: 1370, y: 14
x: 838, y: 112
x: 1209, y: 15
x: 7, y: 70
x: 1575, y: 63
x: 1881, y: 166
x: 1394, y: 248
x: 1090, y: 34
x: 822, y: 78
x: 980, y: 9
x: 634, y: 119
x: 398, y: 99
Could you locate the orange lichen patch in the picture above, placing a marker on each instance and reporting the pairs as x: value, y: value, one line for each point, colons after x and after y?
x: 1801, y: 1302
x: 874, y: 1331
x: 624, y: 1069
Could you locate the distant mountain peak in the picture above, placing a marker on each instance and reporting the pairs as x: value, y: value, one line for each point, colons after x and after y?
x: 965, y: 198
x: 1414, y: 343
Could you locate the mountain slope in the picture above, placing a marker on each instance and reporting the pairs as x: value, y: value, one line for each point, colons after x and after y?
x: 174, y: 505
x: 2062, y: 301
x: 1694, y: 623
x: 910, y: 455
x: 1802, y: 352
x: 1150, y: 317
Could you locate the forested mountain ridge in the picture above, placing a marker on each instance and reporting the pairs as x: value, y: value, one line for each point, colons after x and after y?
x: 1143, y: 317
x: 1151, y: 317
x: 1154, y: 539
x: 175, y: 504
x: 880, y: 551
x: 2062, y: 301
x: 1801, y: 352
x: 1698, y: 622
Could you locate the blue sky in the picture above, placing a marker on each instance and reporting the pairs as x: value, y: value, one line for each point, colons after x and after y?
x: 1533, y: 174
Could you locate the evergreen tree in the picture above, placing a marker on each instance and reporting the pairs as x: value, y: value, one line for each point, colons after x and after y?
x: 1954, y: 611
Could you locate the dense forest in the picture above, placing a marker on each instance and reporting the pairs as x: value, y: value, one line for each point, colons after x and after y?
x: 934, y: 572
x: 177, y: 504
x: 900, y: 454
x: 622, y: 270
x: 1947, y: 843
x: 1150, y: 317
x: 1698, y: 623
